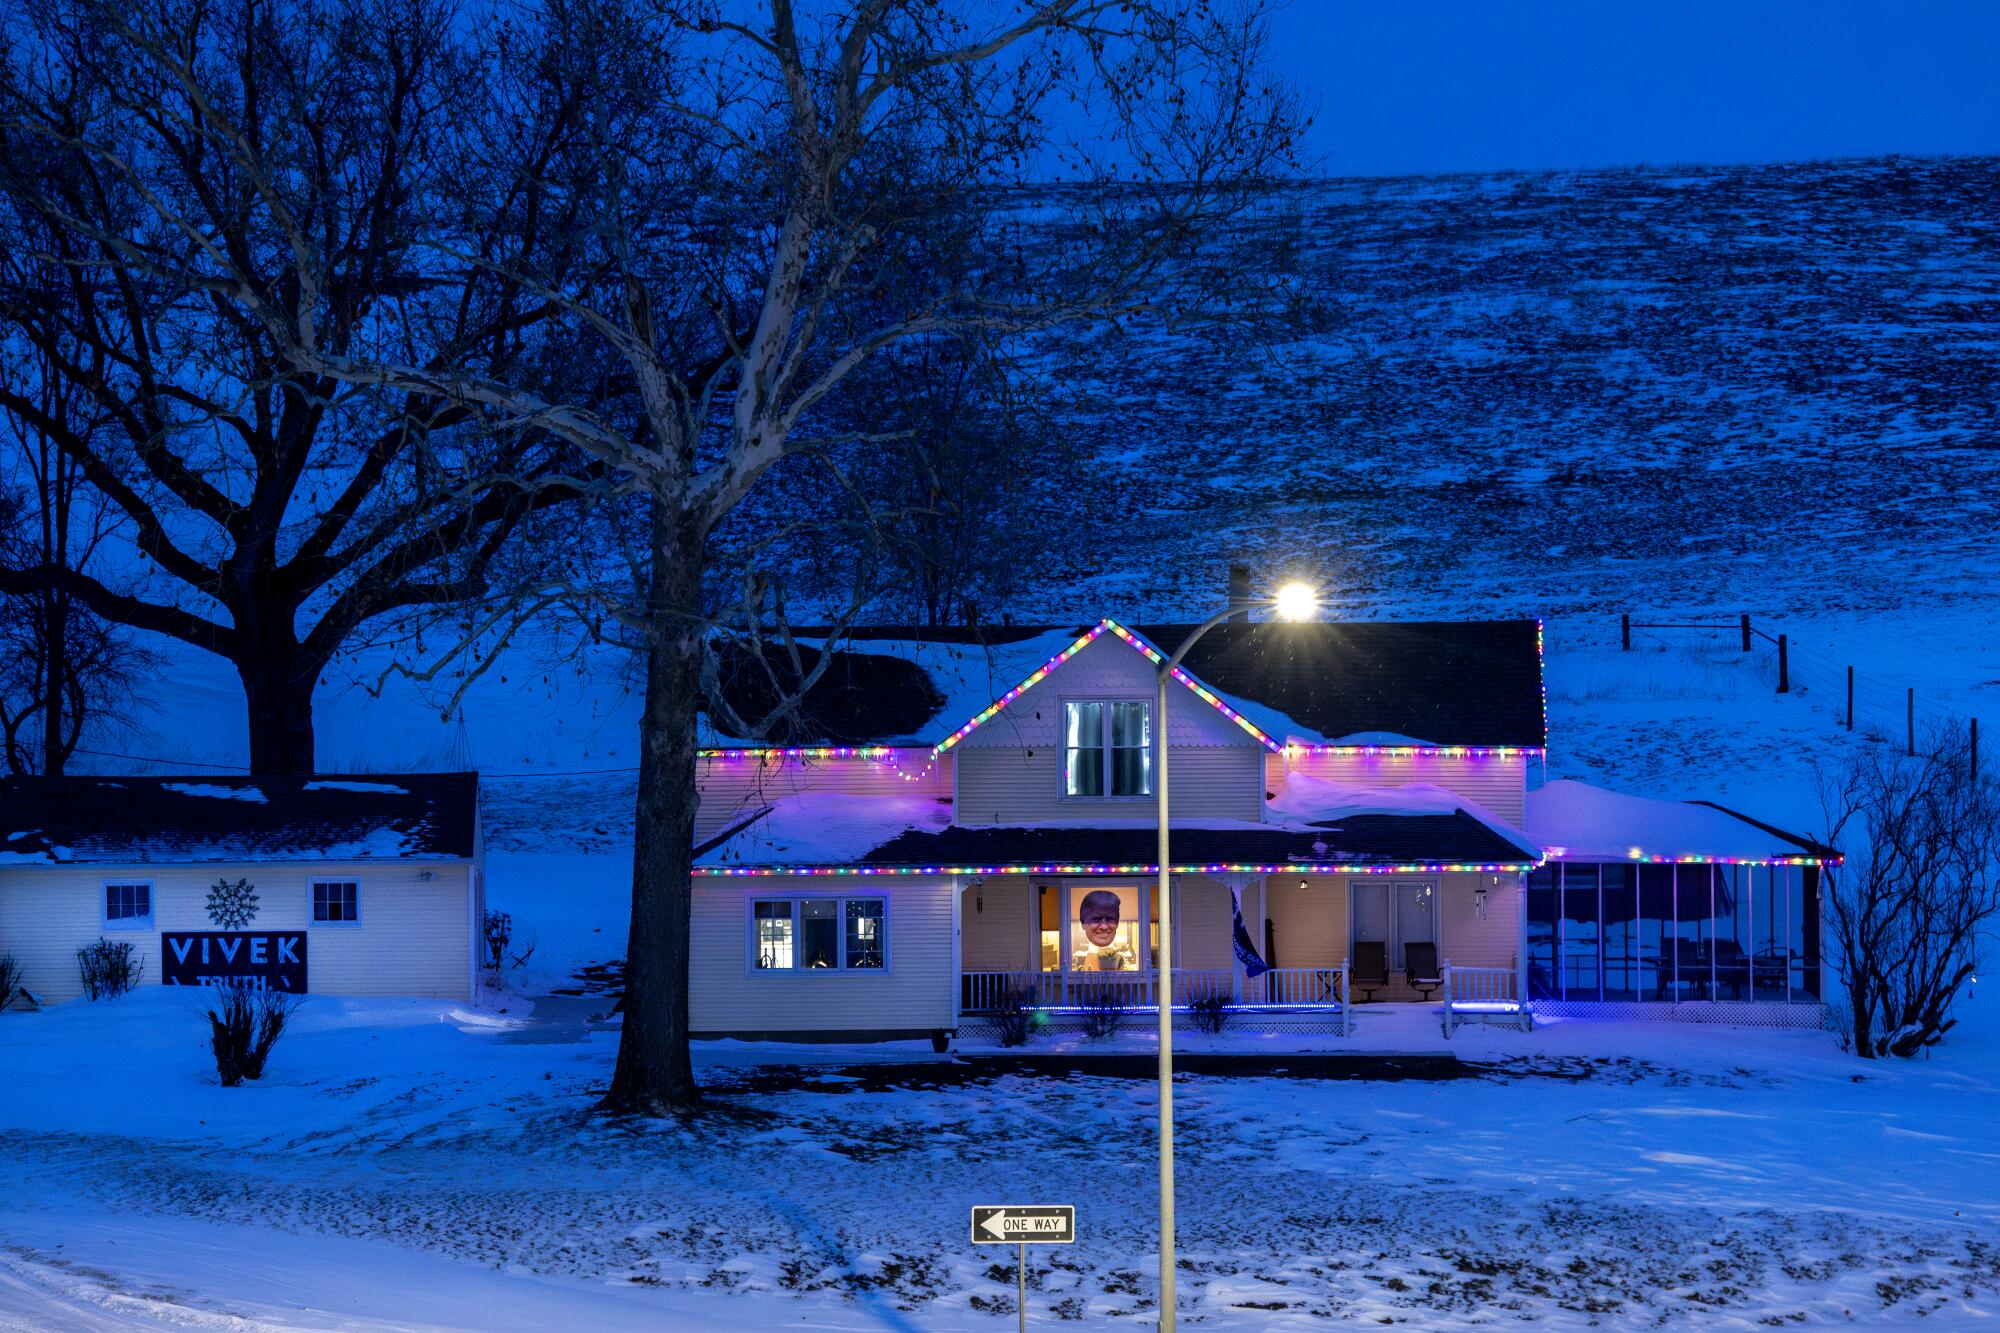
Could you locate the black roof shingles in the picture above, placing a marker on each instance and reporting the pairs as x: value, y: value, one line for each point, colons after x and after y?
x: 1358, y: 840
x: 1476, y: 683
x: 168, y: 820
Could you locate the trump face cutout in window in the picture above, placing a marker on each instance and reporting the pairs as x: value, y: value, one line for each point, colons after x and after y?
x: 1105, y: 934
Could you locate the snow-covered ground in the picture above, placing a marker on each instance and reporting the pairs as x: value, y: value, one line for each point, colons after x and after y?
x: 423, y: 1165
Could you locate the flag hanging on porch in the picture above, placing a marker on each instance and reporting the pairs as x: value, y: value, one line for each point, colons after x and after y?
x: 1246, y: 952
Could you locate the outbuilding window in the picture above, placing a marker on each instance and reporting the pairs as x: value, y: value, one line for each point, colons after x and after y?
x: 1107, y: 747
x: 336, y: 902
x: 128, y: 906
x: 819, y: 934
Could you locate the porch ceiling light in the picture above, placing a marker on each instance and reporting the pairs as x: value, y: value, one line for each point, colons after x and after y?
x: 1296, y: 601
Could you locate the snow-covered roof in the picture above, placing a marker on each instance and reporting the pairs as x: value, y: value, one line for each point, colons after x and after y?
x: 177, y: 820
x: 1318, y: 823
x: 1575, y: 821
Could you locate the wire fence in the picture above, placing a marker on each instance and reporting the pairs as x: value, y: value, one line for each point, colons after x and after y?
x: 1875, y: 706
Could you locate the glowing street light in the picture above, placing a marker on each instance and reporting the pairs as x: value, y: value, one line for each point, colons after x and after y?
x: 1294, y: 601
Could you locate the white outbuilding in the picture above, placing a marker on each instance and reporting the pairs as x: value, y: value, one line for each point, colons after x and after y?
x: 342, y: 884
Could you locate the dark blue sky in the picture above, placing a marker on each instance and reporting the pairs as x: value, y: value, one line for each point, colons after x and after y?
x: 1414, y: 86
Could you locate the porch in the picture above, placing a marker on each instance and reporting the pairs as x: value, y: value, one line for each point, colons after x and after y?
x: 1081, y: 953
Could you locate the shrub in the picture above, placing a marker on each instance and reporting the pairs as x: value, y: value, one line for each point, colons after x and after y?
x: 1012, y: 1012
x: 1103, y: 1010
x: 244, y: 1023
x: 1906, y: 914
x: 1209, y: 1013
x: 498, y: 934
x: 108, y: 968
x: 10, y: 980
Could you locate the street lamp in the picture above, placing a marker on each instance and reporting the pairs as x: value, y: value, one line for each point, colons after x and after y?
x: 1294, y: 601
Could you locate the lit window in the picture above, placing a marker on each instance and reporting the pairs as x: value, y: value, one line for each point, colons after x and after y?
x: 336, y: 902
x: 820, y: 934
x: 128, y: 906
x: 866, y: 940
x: 774, y: 933
x: 1107, y: 748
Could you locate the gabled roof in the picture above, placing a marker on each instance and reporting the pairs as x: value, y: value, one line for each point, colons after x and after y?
x: 172, y: 820
x: 1447, y: 683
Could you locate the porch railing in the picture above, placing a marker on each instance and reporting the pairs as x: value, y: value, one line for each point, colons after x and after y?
x: 1482, y: 994
x: 1302, y: 987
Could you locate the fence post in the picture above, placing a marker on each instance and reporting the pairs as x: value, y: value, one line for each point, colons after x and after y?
x: 1910, y: 722
x: 1850, y: 698
x: 1784, y: 664
x: 1746, y: 631
x: 1625, y: 631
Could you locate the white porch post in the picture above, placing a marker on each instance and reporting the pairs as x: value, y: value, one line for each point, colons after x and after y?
x: 957, y: 981
x: 1521, y: 939
x: 1236, y: 884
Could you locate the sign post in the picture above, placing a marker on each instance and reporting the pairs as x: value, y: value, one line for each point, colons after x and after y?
x: 1023, y: 1225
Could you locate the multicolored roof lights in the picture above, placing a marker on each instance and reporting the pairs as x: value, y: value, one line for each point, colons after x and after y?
x: 1152, y: 654
x: 814, y: 752
x: 1407, y: 751
x: 1641, y: 857
x: 1097, y: 868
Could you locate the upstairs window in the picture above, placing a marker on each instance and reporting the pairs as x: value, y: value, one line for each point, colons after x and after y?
x: 1107, y: 748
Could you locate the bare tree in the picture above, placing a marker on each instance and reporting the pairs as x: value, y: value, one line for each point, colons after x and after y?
x: 292, y: 145
x: 62, y: 668
x: 1920, y: 887
x: 760, y: 198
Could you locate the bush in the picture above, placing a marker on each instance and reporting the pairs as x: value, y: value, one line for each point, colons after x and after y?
x: 1012, y: 1012
x: 1906, y: 914
x: 109, y: 968
x: 498, y: 933
x: 244, y: 1023
x: 1209, y: 1013
x: 10, y: 980
x: 1103, y: 1011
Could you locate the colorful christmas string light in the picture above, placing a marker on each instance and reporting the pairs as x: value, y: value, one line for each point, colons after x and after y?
x: 1099, y: 868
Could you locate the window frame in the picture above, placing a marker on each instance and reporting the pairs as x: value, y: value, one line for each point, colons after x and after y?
x: 108, y: 922
x: 1105, y: 749
x: 792, y: 898
x: 312, y: 903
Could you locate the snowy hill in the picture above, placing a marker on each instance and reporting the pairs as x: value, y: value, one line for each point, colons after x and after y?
x: 1766, y: 387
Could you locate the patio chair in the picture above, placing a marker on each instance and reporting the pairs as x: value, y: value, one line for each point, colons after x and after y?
x: 1420, y: 968
x: 1371, y: 967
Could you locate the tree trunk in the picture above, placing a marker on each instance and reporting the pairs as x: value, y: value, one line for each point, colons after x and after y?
x: 55, y: 654
x: 278, y: 685
x: 655, y: 1073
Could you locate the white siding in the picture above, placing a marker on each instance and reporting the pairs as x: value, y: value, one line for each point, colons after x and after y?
x: 1108, y: 669
x: 998, y: 921
x: 1498, y: 782
x: 415, y: 937
x: 1022, y: 786
x: 733, y: 786
x: 916, y: 993
x: 1309, y: 925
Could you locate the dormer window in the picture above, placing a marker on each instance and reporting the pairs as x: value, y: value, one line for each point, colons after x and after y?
x: 1107, y: 748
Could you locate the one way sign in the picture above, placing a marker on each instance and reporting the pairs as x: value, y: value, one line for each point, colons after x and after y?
x: 1024, y: 1224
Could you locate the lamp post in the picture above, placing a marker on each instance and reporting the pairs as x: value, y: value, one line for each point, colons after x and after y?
x: 1294, y: 601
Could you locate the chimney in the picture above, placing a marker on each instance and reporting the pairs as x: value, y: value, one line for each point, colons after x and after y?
x: 1239, y: 592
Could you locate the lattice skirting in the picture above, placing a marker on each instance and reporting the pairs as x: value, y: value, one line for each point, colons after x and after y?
x: 1748, y: 1013
x: 983, y: 1027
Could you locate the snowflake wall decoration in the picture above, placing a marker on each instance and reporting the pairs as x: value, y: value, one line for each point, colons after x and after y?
x: 232, y: 906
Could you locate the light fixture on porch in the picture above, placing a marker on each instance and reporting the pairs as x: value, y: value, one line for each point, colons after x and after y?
x: 1302, y: 883
x: 1292, y: 601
